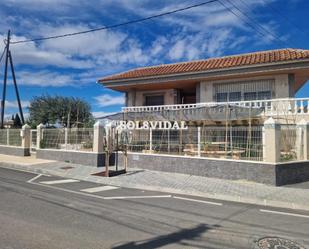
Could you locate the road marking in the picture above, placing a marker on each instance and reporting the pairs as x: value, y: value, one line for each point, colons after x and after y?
x: 98, y: 189
x: 98, y: 196
x: 284, y: 213
x: 59, y: 181
x: 34, y: 178
x: 195, y: 200
x: 136, y: 197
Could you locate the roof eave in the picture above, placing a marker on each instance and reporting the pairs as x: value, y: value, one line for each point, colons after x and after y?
x: 277, y: 66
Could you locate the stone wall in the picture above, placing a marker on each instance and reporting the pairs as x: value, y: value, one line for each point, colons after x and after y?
x: 79, y: 157
x: 267, y: 173
x: 14, y: 150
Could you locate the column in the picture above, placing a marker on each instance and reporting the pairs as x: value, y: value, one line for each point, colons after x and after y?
x: 98, y: 137
x: 271, y: 143
x: 39, y: 135
x: 25, y: 136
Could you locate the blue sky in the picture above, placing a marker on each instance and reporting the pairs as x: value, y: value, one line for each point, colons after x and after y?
x: 71, y: 66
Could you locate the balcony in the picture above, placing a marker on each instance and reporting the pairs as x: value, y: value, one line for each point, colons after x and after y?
x: 271, y: 107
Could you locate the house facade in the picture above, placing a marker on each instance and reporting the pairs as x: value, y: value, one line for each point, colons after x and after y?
x: 243, y: 119
x: 254, y: 77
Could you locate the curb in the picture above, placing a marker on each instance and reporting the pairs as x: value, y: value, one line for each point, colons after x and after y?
x: 237, y: 199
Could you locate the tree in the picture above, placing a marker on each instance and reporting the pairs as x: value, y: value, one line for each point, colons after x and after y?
x: 66, y: 111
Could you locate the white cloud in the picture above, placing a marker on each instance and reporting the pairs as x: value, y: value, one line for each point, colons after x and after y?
x: 45, y: 78
x: 13, y: 104
x: 109, y: 100
x: 32, y: 54
x: 178, y: 50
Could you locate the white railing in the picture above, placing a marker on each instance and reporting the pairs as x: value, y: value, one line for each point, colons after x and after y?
x: 296, y: 106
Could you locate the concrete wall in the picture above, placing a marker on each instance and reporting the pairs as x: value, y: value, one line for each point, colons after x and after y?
x: 78, y: 157
x: 272, y: 174
x: 14, y: 150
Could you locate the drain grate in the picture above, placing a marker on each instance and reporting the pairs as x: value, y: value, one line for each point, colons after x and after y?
x: 278, y: 243
x: 66, y: 167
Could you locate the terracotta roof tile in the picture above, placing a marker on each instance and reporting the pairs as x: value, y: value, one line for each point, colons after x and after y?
x: 271, y: 56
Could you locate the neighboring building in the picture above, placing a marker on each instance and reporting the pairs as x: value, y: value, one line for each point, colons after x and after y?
x: 265, y: 75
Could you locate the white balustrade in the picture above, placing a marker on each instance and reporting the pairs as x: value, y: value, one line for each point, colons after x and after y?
x: 272, y: 107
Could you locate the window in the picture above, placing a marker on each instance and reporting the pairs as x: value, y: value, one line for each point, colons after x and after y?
x: 221, y: 97
x: 264, y: 95
x: 250, y: 96
x: 244, y: 90
x: 235, y: 96
x: 151, y: 100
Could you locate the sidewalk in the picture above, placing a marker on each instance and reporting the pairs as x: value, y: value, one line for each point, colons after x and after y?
x: 238, y: 191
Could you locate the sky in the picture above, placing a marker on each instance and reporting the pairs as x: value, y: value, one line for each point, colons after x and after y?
x: 71, y: 66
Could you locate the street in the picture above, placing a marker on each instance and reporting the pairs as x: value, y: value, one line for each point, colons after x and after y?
x: 42, y: 211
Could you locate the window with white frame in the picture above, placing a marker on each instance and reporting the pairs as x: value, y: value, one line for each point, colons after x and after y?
x: 244, y: 90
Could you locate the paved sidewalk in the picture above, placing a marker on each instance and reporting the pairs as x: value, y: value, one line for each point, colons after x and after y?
x: 239, y: 191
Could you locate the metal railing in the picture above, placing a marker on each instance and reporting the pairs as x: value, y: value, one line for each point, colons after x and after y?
x: 298, y: 106
x: 239, y: 142
x: 288, y: 148
x: 10, y: 137
x: 67, y: 139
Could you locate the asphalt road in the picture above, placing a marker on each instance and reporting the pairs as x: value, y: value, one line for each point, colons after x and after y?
x: 38, y: 211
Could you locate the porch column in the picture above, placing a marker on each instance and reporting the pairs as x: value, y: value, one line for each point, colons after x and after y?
x: 39, y: 135
x: 98, y: 137
x: 25, y: 136
x: 271, y: 141
x: 302, y: 140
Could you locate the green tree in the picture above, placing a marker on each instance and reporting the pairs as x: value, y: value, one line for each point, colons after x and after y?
x: 67, y: 111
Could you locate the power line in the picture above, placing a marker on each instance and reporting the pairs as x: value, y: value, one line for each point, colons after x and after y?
x: 2, y: 54
x: 247, y: 6
x: 116, y: 25
x: 251, y: 20
x: 287, y: 19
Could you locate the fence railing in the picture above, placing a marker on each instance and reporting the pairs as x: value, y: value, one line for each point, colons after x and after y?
x: 272, y: 107
x: 80, y: 139
x: 10, y: 137
x: 243, y: 143
x: 288, y: 146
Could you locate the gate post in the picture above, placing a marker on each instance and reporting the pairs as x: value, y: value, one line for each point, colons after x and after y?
x: 39, y: 131
x: 98, y: 137
x: 25, y: 137
x: 271, y: 141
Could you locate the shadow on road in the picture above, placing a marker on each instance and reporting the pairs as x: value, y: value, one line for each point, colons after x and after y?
x: 172, y: 238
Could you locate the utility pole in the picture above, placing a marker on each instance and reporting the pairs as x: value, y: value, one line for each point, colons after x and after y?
x: 16, y: 89
x: 5, y: 78
x: 8, y: 59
